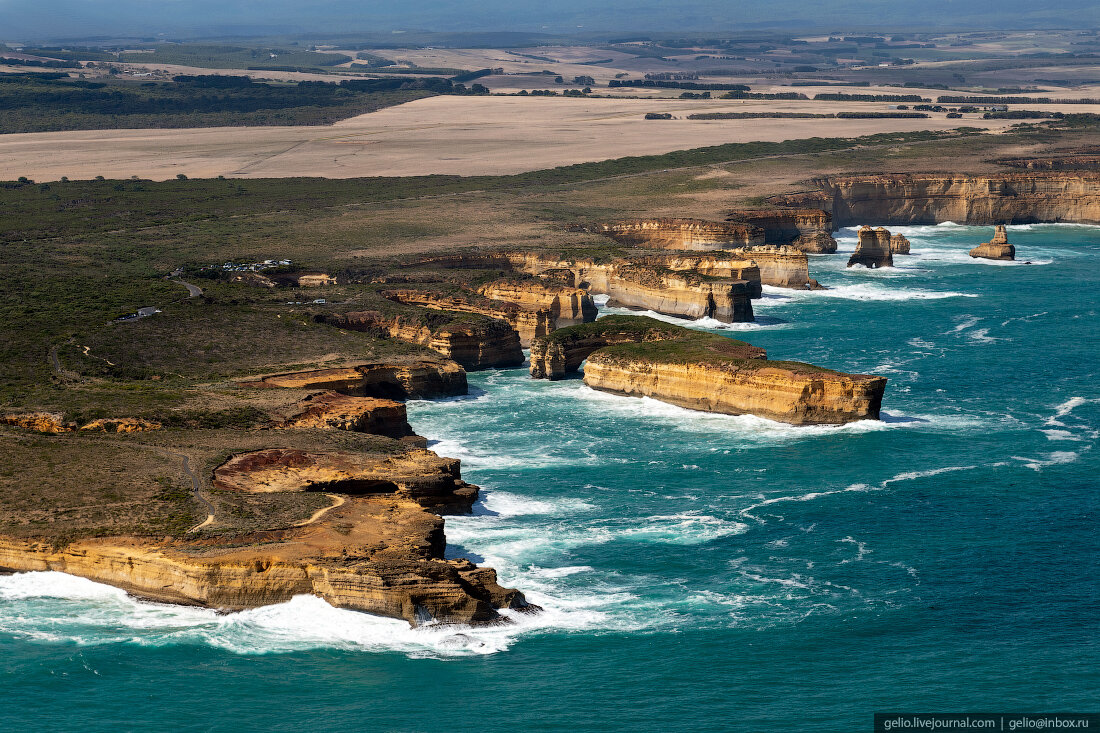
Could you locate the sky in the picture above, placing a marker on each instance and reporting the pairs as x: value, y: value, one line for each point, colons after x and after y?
x: 46, y: 19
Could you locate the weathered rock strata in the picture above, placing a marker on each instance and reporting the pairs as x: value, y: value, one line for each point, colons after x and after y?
x: 643, y: 357
x: 417, y: 475
x: 873, y: 248
x: 568, y: 306
x: 685, y: 234
x: 996, y: 249
x: 334, y: 411
x: 929, y: 198
x: 789, y: 395
x: 661, y: 290
x: 528, y: 323
x: 807, y: 230
x: 476, y: 344
x: 417, y: 379
x: 378, y: 548
x: 899, y: 244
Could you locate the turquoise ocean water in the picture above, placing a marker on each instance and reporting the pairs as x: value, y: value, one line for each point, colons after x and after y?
x: 698, y: 572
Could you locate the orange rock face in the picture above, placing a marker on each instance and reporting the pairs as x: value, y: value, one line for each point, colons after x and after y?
x: 929, y: 198
x: 996, y: 249
x: 332, y: 410
x: 873, y: 249
x: 686, y: 234
x: 417, y: 475
x: 474, y: 345
x: 419, y: 378
x: 807, y: 230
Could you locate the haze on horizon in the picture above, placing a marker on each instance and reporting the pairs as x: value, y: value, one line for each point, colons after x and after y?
x: 21, y: 20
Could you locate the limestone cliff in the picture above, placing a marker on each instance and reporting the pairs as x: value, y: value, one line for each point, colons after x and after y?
x: 685, y: 234
x: 475, y: 344
x: 873, y: 248
x: 638, y: 285
x: 334, y: 411
x: 416, y: 475
x: 527, y: 322
x: 703, y: 371
x: 788, y: 394
x: 568, y: 306
x: 378, y: 548
x: 420, y: 378
x: 928, y: 198
x: 899, y: 245
x: 996, y: 249
x: 735, y: 265
x: 808, y: 230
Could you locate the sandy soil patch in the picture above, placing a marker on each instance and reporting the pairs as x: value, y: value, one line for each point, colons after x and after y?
x: 449, y: 135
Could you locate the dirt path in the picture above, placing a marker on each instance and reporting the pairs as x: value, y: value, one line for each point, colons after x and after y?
x: 336, y: 501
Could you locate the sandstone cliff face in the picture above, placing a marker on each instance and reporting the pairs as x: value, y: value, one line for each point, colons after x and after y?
x: 728, y: 265
x: 376, y: 555
x: 1013, y: 198
x: 334, y: 411
x: 416, y: 379
x: 378, y: 548
x: 480, y: 345
x: 643, y: 358
x: 899, y: 245
x: 685, y: 234
x: 996, y: 249
x: 808, y: 230
x: 417, y: 475
x: 637, y: 285
x: 776, y: 393
x: 527, y: 322
x: 554, y: 358
x: 567, y: 306
x: 873, y: 249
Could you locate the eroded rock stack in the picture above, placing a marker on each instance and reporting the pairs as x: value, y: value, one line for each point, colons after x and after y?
x: 997, y: 248
x: 899, y: 245
x: 873, y: 249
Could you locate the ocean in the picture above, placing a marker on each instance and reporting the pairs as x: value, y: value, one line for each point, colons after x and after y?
x: 697, y: 571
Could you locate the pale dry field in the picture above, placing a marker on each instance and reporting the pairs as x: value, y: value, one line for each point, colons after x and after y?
x: 447, y: 134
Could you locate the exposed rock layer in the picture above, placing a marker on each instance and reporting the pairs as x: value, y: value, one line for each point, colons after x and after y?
x: 475, y: 345
x: 927, y: 198
x: 334, y: 411
x: 790, y: 395
x: 643, y: 357
x: 528, y: 323
x: 568, y: 306
x: 996, y: 249
x: 377, y: 549
x: 808, y: 230
x: 420, y: 378
x: 685, y: 234
x: 899, y: 244
x: 874, y: 248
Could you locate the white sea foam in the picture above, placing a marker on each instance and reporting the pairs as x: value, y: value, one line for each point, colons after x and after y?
x: 53, y: 606
x: 856, y: 488
x: 711, y: 324
x: 864, y: 292
x: 1055, y: 458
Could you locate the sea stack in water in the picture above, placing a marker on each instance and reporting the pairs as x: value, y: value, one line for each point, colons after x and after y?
x: 899, y: 245
x: 996, y: 249
x: 873, y: 249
